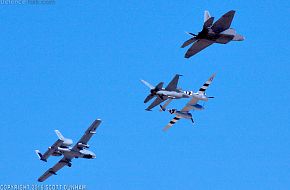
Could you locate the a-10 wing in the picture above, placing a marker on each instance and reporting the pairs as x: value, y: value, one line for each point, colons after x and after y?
x: 50, y: 150
x: 52, y: 171
x: 87, y: 136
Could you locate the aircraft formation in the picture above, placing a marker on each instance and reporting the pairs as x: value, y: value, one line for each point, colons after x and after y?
x: 212, y: 32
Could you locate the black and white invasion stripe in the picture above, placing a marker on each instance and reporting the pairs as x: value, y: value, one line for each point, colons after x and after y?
x: 205, y: 85
x: 171, y: 123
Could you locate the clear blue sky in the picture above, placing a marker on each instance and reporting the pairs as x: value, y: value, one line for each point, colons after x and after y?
x: 64, y: 65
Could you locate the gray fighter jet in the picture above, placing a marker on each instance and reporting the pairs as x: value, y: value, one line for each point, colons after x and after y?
x: 218, y: 32
x: 171, y: 91
x: 191, y: 105
x: 62, y: 147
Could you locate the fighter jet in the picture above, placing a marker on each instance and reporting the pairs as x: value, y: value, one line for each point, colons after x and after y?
x: 191, y: 105
x: 62, y: 147
x: 218, y: 32
x: 171, y: 91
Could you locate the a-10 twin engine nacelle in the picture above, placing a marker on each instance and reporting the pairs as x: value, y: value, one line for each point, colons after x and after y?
x: 67, y: 142
x: 83, y: 145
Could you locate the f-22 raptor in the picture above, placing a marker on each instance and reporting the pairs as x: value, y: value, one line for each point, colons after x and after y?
x: 218, y: 32
x: 62, y: 147
x: 171, y: 91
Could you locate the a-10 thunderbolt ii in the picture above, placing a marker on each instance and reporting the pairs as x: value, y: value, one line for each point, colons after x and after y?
x: 191, y: 105
x: 62, y: 147
x: 218, y: 32
x: 171, y: 91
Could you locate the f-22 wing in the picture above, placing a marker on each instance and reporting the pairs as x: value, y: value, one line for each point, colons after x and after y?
x: 224, y: 22
x: 50, y: 150
x: 197, y: 47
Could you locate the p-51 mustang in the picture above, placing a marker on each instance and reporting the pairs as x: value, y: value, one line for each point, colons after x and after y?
x: 218, y: 32
x: 62, y: 147
x: 191, y: 105
x: 171, y: 91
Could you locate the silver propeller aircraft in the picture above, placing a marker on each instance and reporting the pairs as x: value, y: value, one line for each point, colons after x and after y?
x: 62, y: 147
x: 191, y: 105
x: 171, y: 91
x: 218, y: 32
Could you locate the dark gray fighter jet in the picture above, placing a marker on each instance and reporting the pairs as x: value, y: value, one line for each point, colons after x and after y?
x: 218, y: 32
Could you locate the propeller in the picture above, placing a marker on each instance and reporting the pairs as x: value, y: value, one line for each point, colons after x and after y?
x: 148, y: 98
x: 147, y: 84
x: 153, y: 90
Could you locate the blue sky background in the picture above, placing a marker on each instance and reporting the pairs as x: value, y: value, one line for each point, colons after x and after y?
x: 64, y: 65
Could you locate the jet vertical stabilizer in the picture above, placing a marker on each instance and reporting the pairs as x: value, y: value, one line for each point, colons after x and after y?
x: 59, y: 135
x: 206, y: 16
x: 65, y: 142
x: 40, y: 156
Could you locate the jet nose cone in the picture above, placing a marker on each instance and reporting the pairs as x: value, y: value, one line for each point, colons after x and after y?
x: 93, y: 156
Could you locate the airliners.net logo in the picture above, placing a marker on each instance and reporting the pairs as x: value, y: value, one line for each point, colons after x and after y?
x: 27, y: 2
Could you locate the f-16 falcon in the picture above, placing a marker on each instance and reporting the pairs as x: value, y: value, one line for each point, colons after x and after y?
x: 62, y: 147
x: 218, y: 32
x: 171, y: 91
x: 191, y: 105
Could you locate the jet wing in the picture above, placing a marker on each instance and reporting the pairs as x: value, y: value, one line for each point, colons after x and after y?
x: 224, y: 22
x: 156, y: 102
x: 197, y: 47
x: 87, y: 136
x: 52, y: 171
x: 50, y: 150
x: 173, y: 83
x: 171, y: 123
